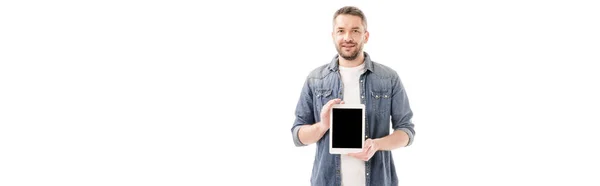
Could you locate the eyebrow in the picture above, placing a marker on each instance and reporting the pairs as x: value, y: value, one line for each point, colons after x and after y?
x: 341, y: 28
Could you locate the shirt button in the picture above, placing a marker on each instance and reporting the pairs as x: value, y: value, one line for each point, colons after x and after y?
x: 367, y: 173
x: 363, y: 97
x: 366, y: 136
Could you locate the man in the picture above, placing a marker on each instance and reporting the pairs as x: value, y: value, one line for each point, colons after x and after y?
x: 352, y: 77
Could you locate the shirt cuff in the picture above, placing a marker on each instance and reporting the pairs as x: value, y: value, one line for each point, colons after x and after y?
x: 297, y: 141
x: 411, y: 136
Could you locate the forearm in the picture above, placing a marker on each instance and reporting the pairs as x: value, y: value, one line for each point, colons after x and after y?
x: 397, y: 139
x: 309, y: 134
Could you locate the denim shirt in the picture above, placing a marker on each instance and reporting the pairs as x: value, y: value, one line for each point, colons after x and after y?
x: 384, y: 97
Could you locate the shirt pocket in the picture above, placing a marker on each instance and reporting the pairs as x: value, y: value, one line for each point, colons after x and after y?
x: 381, y: 101
x: 323, y: 96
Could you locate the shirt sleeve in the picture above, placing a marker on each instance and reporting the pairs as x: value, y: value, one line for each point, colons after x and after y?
x: 304, y: 112
x: 401, y: 112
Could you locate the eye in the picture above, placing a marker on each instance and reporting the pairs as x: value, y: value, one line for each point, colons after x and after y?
x: 340, y: 31
x: 355, y: 31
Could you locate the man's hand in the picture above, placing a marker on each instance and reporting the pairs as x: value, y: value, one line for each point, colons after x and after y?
x: 309, y: 134
x: 325, y: 113
x: 367, y: 152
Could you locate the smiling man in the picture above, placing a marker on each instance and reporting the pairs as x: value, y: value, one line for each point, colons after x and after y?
x: 352, y: 78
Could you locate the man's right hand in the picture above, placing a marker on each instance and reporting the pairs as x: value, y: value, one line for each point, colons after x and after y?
x: 325, y: 113
x: 312, y: 133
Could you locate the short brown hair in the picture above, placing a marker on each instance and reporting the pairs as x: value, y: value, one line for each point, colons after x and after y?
x: 351, y: 10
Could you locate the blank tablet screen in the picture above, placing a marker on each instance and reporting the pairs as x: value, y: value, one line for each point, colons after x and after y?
x: 347, y: 128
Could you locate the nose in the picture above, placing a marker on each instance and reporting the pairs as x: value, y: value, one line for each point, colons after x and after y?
x: 347, y: 37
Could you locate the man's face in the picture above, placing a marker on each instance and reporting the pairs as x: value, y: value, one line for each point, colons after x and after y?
x: 349, y: 36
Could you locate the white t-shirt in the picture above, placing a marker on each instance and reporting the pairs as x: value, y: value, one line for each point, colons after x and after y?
x: 353, y: 170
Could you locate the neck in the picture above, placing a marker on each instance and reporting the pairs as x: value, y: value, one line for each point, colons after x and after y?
x: 360, y: 59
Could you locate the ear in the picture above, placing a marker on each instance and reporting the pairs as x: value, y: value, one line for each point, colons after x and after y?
x: 333, y: 35
x: 366, y: 36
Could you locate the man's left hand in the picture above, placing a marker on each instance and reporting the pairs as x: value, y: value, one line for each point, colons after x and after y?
x: 367, y: 151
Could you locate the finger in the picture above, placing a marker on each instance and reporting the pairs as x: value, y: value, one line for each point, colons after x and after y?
x: 358, y: 155
x: 330, y: 103
x: 368, y: 144
x: 334, y: 101
x: 343, y: 102
x: 367, y: 150
x: 371, y: 152
x: 363, y: 157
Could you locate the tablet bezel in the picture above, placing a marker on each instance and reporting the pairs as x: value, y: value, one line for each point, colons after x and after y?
x: 331, y: 129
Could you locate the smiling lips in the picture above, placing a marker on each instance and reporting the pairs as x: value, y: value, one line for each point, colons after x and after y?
x: 348, y: 46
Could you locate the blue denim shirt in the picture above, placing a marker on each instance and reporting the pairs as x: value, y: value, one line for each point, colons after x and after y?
x: 382, y: 93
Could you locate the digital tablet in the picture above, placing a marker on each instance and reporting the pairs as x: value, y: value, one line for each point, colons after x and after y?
x: 347, y: 131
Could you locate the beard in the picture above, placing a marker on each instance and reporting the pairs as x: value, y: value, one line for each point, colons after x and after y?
x: 351, y: 55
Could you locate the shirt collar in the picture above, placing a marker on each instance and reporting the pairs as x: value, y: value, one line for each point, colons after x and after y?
x: 334, y: 65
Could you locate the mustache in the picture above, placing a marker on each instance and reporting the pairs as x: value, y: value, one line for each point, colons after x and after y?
x: 347, y: 43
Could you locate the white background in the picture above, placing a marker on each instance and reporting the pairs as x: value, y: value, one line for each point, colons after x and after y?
x: 189, y: 93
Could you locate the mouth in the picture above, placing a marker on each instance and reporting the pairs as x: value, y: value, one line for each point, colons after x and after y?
x: 348, y: 46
